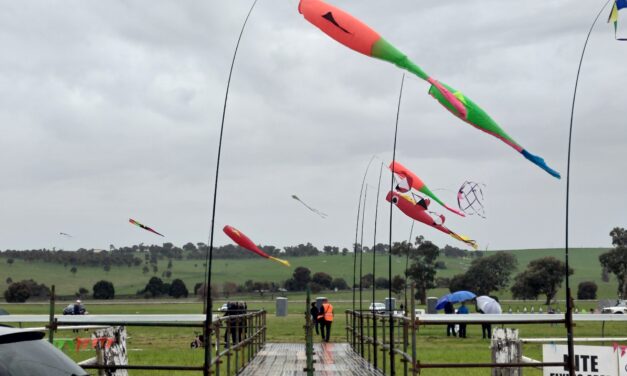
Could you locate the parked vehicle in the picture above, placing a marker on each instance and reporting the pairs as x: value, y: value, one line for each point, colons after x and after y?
x: 377, y: 307
x: 26, y: 353
x: 620, y: 308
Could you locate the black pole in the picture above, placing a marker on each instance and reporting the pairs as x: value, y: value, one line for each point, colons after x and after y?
x: 374, y: 263
x: 361, y: 192
x: 411, y: 232
x: 361, y: 276
x: 374, y: 241
x: 569, y: 308
x: 391, y: 314
x: 209, y: 256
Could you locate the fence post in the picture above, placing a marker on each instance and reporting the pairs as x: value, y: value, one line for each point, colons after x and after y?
x: 368, y: 336
x: 218, y: 360
x: 308, y: 336
x: 383, y: 350
x: 228, y: 345
x: 414, y: 361
x: 506, y: 348
x: 51, y: 324
x: 374, y: 339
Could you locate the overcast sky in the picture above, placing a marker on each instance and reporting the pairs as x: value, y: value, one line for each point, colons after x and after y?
x: 110, y: 110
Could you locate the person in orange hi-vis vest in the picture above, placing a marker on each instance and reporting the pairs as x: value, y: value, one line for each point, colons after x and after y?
x: 325, y: 317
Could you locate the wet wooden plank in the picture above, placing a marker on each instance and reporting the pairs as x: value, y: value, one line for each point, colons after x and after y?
x: 289, y: 359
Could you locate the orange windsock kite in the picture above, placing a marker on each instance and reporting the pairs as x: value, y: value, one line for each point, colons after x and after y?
x: 245, y: 242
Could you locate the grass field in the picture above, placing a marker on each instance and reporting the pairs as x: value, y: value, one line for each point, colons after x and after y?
x: 171, y: 346
x: 129, y: 280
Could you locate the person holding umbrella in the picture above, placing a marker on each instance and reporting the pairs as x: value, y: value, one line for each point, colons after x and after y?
x: 449, y: 309
x: 463, y: 310
x: 447, y: 301
x: 489, y: 306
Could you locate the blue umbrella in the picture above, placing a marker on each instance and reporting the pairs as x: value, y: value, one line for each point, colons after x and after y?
x: 455, y: 297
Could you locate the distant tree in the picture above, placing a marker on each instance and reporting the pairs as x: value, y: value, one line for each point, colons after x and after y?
x: 398, y: 284
x: 345, y: 251
x: 73, y: 270
x: 145, y: 269
x: 366, y: 281
x: 323, y: 279
x: 543, y: 276
x: 107, y: 267
x: 10, y: 261
x: 605, y: 275
x: 189, y: 247
x: 178, y: 289
x: 155, y: 288
x: 340, y: 284
x: 197, y: 285
x: 315, y: 288
x: 422, y: 269
x: 103, y: 290
x: 17, y: 292
x: 459, y: 282
x: 382, y: 283
x: 587, y: 290
x: 82, y: 292
x: 442, y: 282
x: 615, y: 260
x: 525, y: 286
x: 440, y: 265
x: 169, y: 264
x: 167, y: 274
x: 229, y: 288
x: 155, y: 269
x: 486, y: 274
x: 301, y: 276
x: 9, y: 280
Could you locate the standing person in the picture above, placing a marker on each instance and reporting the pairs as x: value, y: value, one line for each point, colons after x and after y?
x: 449, y: 309
x: 313, y: 311
x: 463, y: 310
x: 78, y: 308
x: 486, y: 329
x: 325, y: 317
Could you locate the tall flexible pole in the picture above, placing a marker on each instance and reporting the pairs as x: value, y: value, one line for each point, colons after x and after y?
x: 569, y: 308
x: 361, y: 275
x: 361, y: 192
x: 391, y: 313
x: 208, y: 308
x: 374, y: 263
x: 411, y: 232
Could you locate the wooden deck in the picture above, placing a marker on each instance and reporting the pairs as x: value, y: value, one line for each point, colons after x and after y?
x: 288, y: 359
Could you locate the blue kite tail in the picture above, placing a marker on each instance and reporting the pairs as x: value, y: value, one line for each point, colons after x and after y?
x: 540, y: 163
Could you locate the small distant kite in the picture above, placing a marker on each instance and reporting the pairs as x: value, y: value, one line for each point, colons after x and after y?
x: 245, y: 242
x: 419, y: 211
x: 143, y: 226
x: 66, y: 235
x: 470, y: 198
x: 618, y: 5
x: 321, y: 214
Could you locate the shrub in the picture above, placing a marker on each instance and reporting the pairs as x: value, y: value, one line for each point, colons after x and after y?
x: 103, y: 290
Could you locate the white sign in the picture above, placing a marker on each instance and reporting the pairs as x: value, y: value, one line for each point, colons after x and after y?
x: 622, y: 362
x: 589, y: 360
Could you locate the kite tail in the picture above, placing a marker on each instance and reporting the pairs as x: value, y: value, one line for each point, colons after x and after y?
x: 466, y: 240
x: 283, y: 262
x: 540, y: 163
x: 435, y: 198
x: 457, y: 104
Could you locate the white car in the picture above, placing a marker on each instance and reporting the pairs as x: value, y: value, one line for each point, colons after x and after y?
x: 620, y: 308
x: 377, y: 307
x: 224, y: 308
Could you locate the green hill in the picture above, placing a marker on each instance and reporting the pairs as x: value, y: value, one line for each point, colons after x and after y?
x: 128, y: 280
